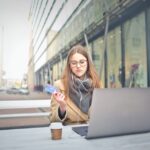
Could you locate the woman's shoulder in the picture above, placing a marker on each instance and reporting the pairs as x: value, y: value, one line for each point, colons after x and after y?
x: 59, y: 84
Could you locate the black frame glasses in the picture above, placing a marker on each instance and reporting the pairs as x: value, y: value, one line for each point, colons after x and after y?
x: 81, y: 62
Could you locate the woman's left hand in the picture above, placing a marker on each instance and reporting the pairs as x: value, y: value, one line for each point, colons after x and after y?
x: 60, y: 98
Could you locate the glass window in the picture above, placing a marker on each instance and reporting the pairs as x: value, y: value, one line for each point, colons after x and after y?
x: 98, y: 48
x: 114, y: 58
x: 135, y: 52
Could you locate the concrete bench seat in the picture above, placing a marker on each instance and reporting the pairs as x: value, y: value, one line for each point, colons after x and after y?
x: 23, y: 104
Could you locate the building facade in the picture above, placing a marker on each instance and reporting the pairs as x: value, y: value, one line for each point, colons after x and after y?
x: 116, y: 33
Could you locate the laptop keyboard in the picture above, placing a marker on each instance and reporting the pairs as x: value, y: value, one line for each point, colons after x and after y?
x: 81, y: 130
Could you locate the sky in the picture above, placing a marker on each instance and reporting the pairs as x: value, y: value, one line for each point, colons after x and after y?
x: 15, y: 25
x: 15, y: 28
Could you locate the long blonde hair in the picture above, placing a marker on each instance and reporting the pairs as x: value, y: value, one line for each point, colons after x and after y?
x: 91, y: 71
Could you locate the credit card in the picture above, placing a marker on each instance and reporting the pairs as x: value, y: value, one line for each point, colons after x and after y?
x: 50, y: 89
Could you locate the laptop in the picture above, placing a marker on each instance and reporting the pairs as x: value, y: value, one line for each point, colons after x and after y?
x: 117, y: 112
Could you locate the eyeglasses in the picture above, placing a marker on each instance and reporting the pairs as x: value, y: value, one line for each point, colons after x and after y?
x: 82, y: 63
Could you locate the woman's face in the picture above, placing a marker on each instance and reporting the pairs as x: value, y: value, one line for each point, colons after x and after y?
x: 78, y: 65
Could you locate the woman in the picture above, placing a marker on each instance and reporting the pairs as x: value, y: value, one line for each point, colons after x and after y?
x: 72, y: 101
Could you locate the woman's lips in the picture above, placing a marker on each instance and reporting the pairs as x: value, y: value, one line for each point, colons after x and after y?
x: 78, y: 70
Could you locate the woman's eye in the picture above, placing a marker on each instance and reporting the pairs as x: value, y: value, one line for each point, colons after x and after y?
x: 81, y: 62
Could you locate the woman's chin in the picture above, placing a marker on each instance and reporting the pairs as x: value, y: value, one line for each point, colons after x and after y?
x: 81, y: 76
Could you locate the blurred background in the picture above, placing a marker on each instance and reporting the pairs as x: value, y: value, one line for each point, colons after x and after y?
x: 36, y: 35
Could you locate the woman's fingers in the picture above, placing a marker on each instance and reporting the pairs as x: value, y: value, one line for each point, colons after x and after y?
x: 59, y: 96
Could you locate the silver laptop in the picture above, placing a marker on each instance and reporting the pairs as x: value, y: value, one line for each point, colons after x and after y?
x: 118, y: 112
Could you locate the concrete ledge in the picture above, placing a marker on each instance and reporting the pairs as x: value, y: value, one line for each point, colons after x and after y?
x: 24, y: 115
x: 24, y: 104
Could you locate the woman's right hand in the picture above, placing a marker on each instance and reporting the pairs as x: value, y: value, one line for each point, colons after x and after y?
x: 60, y: 98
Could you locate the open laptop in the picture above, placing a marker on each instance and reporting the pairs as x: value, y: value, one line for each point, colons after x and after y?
x: 118, y: 112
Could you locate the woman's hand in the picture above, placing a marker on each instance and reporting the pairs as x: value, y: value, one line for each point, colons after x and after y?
x: 60, y: 98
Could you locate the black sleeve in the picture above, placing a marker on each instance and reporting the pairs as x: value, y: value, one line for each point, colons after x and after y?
x: 61, y: 114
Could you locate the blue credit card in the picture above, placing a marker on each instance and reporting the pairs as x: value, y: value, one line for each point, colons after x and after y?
x: 50, y: 89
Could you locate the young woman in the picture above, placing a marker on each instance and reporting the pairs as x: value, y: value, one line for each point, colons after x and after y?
x: 71, y: 104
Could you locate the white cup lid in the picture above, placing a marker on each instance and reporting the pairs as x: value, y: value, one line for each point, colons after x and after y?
x: 56, y: 125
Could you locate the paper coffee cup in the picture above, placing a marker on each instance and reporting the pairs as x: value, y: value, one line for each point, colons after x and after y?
x: 56, y: 130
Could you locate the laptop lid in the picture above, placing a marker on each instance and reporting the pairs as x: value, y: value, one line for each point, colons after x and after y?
x: 119, y: 111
